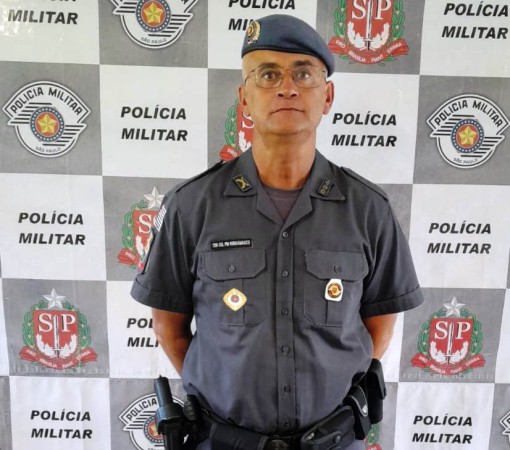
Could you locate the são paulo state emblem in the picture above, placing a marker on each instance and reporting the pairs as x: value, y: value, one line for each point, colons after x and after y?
x: 136, y: 229
x: 467, y: 128
x: 369, y: 31
x: 238, y: 133
x: 372, y: 439
x: 154, y: 23
x: 56, y: 334
x: 47, y: 116
x: 450, y: 342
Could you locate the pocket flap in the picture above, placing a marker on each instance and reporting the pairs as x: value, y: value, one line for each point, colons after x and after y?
x: 233, y: 264
x: 326, y: 264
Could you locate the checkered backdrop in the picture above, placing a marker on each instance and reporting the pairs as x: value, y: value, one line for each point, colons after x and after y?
x: 107, y: 104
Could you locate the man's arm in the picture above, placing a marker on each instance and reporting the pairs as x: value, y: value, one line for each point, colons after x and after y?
x: 381, y: 330
x: 173, y: 331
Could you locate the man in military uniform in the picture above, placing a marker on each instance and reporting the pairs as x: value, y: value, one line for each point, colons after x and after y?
x: 293, y: 268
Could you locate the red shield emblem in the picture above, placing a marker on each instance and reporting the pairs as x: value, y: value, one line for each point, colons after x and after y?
x: 450, y: 339
x: 369, y: 24
x: 244, y: 130
x: 56, y: 332
x: 238, y: 133
x: 143, y: 220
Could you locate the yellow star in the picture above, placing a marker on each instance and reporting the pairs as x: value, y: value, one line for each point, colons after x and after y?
x: 47, y: 124
x: 153, y: 13
x: 154, y: 429
x: 468, y: 136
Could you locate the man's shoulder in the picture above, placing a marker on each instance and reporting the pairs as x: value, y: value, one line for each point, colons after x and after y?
x: 361, y: 183
x: 201, y: 178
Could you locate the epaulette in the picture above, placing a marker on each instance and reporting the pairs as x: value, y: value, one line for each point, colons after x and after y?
x: 367, y: 183
x: 200, y: 175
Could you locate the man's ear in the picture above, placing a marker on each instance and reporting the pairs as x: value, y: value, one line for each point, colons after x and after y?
x: 330, y: 96
x: 241, y: 95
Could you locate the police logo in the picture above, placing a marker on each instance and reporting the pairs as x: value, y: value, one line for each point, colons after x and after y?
x: 334, y: 290
x: 136, y: 229
x: 139, y: 422
x: 48, y: 118
x: 238, y: 133
x: 450, y: 342
x: 467, y: 128
x: 505, y: 423
x: 369, y: 31
x: 154, y: 23
x: 56, y: 334
x: 253, y: 32
x: 234, y: 299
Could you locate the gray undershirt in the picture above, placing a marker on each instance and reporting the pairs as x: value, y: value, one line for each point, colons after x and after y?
x: 283, y: 199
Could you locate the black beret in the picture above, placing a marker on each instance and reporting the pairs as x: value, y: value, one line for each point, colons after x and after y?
x: 283, y: 33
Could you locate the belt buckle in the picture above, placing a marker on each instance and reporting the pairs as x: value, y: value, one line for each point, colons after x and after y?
x: 277, y: 444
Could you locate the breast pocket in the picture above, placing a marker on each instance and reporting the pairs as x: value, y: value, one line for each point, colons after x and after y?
x: 322, y: 267
x: 232, y: 278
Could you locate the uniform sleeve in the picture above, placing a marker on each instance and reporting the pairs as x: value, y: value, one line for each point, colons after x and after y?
x: 391, y: 285
x: 165, y: 281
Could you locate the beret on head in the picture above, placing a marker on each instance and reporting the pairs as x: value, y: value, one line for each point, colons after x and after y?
x: 283, y: 33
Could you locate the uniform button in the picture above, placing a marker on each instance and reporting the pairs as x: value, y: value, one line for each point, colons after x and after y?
x: 284, y: 311
x: 285, y: 349
x: 337, y: 439
x: 285, y: 234
x: 286, y: 388
x: 337, y: 269
x: 285, y: 274
x: 231, y: 268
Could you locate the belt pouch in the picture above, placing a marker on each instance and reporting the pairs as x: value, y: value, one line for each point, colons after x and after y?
x: 356, y: 399
x: 335, y: 432
x: 227, y: 437
x: 376, y: 391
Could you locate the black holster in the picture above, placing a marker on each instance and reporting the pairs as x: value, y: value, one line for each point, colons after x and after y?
x: 366, y: 399
x: 335, y: 432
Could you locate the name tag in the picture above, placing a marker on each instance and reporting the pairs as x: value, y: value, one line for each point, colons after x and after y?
x: 231, y: 243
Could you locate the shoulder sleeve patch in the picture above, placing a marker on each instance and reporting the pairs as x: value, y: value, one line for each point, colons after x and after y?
x: 367, y: 183
x: 213, y: 168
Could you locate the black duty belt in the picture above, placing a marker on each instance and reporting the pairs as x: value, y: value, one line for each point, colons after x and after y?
x: 225, y: 434
x: 335, y: 432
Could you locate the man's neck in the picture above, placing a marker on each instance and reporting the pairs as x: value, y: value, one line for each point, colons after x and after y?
x: 283, y: 163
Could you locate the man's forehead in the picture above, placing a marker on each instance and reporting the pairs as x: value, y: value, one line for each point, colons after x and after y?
x: 274, y: 58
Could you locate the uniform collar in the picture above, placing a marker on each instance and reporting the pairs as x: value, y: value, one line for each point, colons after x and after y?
x: 321, y: 173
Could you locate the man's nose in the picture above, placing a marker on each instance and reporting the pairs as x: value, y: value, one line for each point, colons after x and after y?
x: 288, y: 87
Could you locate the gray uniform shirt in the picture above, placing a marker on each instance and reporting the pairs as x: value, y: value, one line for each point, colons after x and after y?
x: 285, y: 359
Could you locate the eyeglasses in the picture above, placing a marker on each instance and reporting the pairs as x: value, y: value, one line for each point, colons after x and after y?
x: 305, y: 76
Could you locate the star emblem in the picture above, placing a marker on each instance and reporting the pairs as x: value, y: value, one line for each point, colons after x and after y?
x: 154, y: 198
x: 453, y: 308
x: 468, y: 136
x: 54, y: 300
x: 47, y: 124
x: 153, y: 14
x: 153, y: 430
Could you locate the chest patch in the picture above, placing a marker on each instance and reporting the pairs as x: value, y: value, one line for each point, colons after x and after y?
x: 231, y: 243
x: 234, y: 299
x: 334, y: 290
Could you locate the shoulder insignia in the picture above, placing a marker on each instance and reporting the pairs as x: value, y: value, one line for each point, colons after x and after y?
x: 213, y: 168
x: 325, y: 187
x: 242, y: 183
x: 367, y: 183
